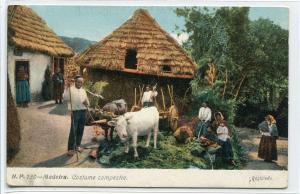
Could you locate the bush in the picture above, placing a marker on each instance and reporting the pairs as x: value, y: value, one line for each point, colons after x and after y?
x: 96, y: 88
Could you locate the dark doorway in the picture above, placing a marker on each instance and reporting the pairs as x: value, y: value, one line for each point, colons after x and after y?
x: 59, y: 62
x: 19, y: 65
x: 130, y: 59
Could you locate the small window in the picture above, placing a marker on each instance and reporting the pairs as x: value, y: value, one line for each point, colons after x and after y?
x: 166, y: 68
x: 130, y: 59
x: 87, y: 61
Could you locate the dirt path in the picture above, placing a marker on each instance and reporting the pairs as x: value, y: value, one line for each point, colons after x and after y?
x: 44, y: 132
x: 250, y: 140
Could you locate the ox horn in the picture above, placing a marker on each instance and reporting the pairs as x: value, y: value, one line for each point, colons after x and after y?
x: 112, y: 123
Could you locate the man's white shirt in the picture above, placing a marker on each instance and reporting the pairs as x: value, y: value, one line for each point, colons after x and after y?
x: 205, y: 114
x: 78, y: 96
x: 148, y: 96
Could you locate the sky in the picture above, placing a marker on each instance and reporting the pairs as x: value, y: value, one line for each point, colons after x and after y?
x: 96, y: 22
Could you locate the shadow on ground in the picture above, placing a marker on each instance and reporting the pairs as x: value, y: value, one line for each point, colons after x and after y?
x: 58, y: 161
x: 45, y: 106
x: 60, y: 109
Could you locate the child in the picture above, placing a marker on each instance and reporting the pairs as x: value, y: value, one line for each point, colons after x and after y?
x: 224, y: 142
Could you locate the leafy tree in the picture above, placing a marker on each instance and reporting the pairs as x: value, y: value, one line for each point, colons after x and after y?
x: 246, y: 54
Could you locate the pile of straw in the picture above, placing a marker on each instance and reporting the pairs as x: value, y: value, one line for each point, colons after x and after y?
x: 13, y: 126
x: 71, y: 68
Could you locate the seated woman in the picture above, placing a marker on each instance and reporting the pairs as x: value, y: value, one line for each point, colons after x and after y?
x: 224, y: 142
x: 267, y: 147
x: 218, y: 116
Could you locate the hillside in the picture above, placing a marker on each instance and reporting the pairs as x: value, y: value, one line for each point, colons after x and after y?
x: 77, y: 44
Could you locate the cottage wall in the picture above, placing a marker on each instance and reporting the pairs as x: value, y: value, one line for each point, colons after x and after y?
x: 38, y: 63
x: 121, y: 85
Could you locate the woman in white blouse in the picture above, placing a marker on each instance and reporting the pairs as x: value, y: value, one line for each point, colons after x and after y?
x: 224, y: 142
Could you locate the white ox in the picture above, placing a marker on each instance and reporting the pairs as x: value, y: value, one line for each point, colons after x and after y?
x: 134, y: 124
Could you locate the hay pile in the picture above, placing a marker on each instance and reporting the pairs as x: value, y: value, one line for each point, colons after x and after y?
x: 27, y: 30
x: 155, y: 48
x: 13, y: 126
x: 168, y: 155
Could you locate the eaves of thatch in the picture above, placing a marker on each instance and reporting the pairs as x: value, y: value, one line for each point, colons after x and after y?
x: 28, y: 31
x: 154, y: 46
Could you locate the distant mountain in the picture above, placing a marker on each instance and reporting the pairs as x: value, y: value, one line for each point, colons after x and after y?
x: 77, y: 44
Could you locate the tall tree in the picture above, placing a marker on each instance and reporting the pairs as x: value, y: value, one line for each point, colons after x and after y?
x: 251, y: 57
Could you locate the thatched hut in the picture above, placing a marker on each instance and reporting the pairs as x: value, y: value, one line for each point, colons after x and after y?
x: 138, y: 52
x: 32, y: 44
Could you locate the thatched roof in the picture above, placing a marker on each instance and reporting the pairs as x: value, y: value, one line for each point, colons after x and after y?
x: 27, y: 30
x: 155, y: 48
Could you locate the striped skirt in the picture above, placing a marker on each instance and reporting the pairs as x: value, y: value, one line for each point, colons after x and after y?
x: 22, y: 92
x: 267, y: 149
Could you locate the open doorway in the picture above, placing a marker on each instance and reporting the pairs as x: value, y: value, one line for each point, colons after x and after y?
x: 59, y: 62
x: 130, y: 59
x: 20, y: 66
x: 22, y: 77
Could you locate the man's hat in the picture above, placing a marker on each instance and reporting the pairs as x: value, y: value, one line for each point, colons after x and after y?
x: 77, y: 77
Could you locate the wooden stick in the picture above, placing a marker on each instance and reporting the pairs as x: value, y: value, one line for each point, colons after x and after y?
x: 169, y: 90
x: 173, y: 95
x: 239, y: 87
x: 172, y: 92
x: 134, y: 96
x: 163, y: 98
x: 169, y: 93
x: 140, y: 98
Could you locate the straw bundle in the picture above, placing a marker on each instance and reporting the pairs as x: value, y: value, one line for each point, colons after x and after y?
x: 27, y: 30
x: 71, y: 68
x: 154, y: 46
x: 13, y: 126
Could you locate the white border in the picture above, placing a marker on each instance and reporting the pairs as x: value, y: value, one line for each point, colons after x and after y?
x: 294, y: 89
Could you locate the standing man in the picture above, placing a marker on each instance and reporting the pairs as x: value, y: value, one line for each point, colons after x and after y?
x: 78, y: 104
x: 204, y: 117
x: 148, y: 97
x: 58, y: 85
